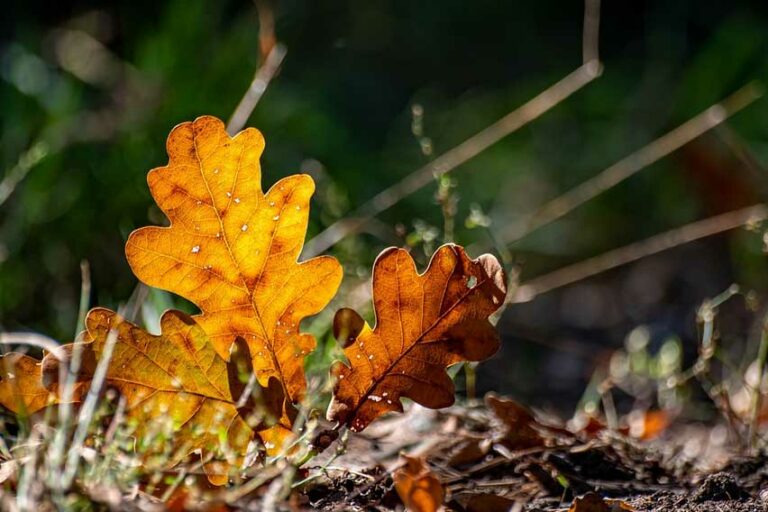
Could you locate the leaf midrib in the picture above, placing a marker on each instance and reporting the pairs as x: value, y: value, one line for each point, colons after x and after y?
x: 225, y: 238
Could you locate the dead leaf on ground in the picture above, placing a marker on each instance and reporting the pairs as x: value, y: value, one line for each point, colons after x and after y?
x: 647, y: 425
x: 470, y: 449
x: 517, y: 422
x: 521, y: 428
x: 418, y: 488
x: 592, y: 502
x: 21, y: 385
x: 232, y: 250
x: 176, y: 377
x: 424, y: 323
x: 487, y: 502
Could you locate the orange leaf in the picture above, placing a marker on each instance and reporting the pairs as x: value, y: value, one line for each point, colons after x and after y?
x: 647, y: 425
x: 232, y: 249
x: 176, y: 377
x: 417, y: 487
x: 21, y: 385
x: 424, y: 323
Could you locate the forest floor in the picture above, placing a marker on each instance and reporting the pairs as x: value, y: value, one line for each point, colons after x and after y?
x: 499, y: 458
x: 489, y: 456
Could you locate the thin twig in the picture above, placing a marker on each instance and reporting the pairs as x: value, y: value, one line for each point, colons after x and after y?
x: 33, y: 340
x: 255, y: 91
x: 632, y: 164
x: 591, y: 36
x: 29, y: 159
x: 454, y: 157
x: 638, y: 250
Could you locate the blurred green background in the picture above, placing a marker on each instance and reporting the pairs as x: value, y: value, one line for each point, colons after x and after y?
x: 369, y: 92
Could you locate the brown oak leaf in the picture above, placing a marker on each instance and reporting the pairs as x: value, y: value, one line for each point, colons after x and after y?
x: 424, y: 323
x: 592, y: 502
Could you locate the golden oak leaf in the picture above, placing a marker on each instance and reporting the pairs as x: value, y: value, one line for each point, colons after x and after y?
x: 418, y: 488
x: 424, y: 323
x: 176, y: 377
x: 21, y: 385
x: 232, y: 249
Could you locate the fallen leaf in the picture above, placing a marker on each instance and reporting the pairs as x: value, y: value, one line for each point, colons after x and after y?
x: 487, y: 502
x: 646, y: 425
x: 470, y: 449
x: 643, y: 425
x: 21, y: 385
x: 424, y: 323
x: 232, y: 249
x: 174, y: 381
x: 418, y: 488
x: 518, y: 423
x: 592, y: 502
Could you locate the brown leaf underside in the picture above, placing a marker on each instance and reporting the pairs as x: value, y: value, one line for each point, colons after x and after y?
x: 424, y: 323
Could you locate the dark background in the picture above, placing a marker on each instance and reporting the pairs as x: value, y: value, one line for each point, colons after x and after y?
x: 98, y: 85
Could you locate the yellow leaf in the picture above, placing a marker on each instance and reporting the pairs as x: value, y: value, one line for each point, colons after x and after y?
x: 232, y: 249
x: 21, y: 386
x: 424, y: 323
x: 174, y: 383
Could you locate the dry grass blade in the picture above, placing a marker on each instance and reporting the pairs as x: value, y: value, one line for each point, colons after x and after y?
x: 757, y: 395
x: 31, y: 339
x: 638, y: 250
x: 453, y: 158
x: 632, y: 164
x: 85, y: 295
x: 87, y: 412
x: 29, y: 159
